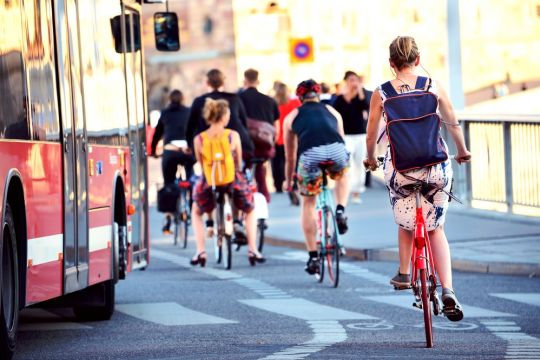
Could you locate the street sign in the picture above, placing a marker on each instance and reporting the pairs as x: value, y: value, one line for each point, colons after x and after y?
x: 301, y: 50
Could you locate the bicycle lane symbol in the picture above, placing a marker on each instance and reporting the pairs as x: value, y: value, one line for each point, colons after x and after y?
x: 376, y: 325
x: 371, y: 325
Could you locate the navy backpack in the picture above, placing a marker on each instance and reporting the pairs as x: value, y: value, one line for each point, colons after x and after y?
x: 413, y: 127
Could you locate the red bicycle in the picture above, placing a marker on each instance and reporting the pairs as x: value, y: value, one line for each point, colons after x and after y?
x: 423, y: 276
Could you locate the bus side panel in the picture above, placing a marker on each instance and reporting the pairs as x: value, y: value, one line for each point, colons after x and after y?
x: 40, y: 166
x: 100, y: 245
x: 104, y: 163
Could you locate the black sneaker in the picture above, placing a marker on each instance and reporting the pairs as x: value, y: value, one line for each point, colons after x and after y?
x: 341, y: 221
x: 167, y: 227
x: 401, y: 281
x: 312, y: 266
x: 451, y: 306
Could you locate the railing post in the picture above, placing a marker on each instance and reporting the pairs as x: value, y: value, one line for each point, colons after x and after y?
x: 507, y: 136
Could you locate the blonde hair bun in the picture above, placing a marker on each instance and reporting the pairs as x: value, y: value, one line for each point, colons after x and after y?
x: 214, y: 110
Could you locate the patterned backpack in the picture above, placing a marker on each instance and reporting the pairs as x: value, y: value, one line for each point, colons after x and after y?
x: 413, y: 126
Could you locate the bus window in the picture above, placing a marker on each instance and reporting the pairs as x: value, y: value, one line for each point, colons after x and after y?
x: 13, y: 101
x: 166, y: 31
x: 40, y: 69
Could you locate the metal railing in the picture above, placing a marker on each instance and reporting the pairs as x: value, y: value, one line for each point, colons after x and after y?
x: 505, y: 172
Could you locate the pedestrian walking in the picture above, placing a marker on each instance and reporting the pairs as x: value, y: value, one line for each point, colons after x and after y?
x: 285, y: 105
x: 259, y: 108
x: 238, y: 120
x: 353, y: 105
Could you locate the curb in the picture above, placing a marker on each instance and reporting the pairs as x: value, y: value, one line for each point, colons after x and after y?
x: 498, y: 268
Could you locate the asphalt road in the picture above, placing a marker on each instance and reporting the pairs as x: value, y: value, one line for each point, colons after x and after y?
x: 276, y: 311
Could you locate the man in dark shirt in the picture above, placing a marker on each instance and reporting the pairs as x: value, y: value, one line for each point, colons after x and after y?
x: 353, y: 105
x: 259, y: 107
x: 171, y: 127
x: 237, y: 122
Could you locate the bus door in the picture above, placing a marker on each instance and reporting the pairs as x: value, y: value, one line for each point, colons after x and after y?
x: 137, y: 138
x: 74, y: 145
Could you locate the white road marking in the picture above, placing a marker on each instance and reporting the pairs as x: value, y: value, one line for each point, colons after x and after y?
x: 405, y: 301
x: 262, y: 288
x: 304, y: 309
x: 170, y: 314
x: 520, y: 345
x: 526, y: 298
x: 326, y: 334
x: 42, y: 320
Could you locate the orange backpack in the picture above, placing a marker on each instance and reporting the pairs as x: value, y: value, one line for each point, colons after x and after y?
x: 217, y: 158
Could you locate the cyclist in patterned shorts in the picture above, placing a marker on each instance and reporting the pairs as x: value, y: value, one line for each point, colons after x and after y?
x: 314, y: 135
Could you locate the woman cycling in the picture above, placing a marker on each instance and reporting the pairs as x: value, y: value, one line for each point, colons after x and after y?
x: 404, y: 58
x: 217, y: 114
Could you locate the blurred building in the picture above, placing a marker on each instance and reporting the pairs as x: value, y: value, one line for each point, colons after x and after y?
x: 290, y: 40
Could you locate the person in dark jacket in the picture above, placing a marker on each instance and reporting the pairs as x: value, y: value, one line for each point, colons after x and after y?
x: 238, y: 121
x: 171, y: 127
x: 259, y: 107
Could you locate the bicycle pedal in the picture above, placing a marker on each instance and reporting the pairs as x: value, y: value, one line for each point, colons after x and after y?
x: 399, y: 288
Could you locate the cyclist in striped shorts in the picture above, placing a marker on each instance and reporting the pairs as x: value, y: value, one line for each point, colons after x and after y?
x: 313, y: 136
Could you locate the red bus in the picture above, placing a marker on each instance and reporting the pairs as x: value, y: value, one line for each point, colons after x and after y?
x: 73, y: 177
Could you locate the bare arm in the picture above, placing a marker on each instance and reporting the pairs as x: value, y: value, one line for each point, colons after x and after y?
x: 197, y: 146
x: 375, y: 114
x: 237, y: 150
x: 276, y: 126
x: 291, y: 146
x: 339, y: 120
x: 452, y: 125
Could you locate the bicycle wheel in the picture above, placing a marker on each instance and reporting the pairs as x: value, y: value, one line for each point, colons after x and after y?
x: 226, y: 248
x: 176, y: 226
x: 217, y: 249
x: 332, y: 248
x: 261, y: 226
x: 426, y: 307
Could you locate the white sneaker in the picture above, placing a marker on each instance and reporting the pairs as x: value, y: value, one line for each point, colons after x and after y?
x: 355, y: 199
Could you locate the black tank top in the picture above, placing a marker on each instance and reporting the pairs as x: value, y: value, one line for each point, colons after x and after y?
x: 315, y: 126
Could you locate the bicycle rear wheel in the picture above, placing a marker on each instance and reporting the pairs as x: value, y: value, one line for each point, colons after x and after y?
x: 426, y: 307
x: 176, y: 226
x: 261, y: 226
x: 332, y: 248
x: 226, y: 248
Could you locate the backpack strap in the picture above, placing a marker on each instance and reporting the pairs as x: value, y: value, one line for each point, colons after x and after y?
x: 388, y: 90
x: 423, y: 83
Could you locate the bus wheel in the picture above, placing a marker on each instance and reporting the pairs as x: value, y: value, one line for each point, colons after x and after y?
x: 9, y: 308
x: 103, y: 291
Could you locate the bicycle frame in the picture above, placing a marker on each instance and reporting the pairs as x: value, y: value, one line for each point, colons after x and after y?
x: 422, y: 257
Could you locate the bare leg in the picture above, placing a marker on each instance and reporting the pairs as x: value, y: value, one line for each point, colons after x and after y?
x: 198, y: 227
x: 405, y: 239
x: 309, y: 222
x: 251, y: 231
x: 441, y: 255
x: 342, y: 190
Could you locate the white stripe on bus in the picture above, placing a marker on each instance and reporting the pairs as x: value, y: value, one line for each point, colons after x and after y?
x: 50, y: 248
x: 99, y: 238
x: 45, y: 249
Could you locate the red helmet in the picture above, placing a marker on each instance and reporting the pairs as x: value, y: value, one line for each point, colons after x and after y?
x: 306, y: 87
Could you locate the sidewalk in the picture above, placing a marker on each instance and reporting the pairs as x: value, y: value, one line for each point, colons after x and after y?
x: 479, y: 241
